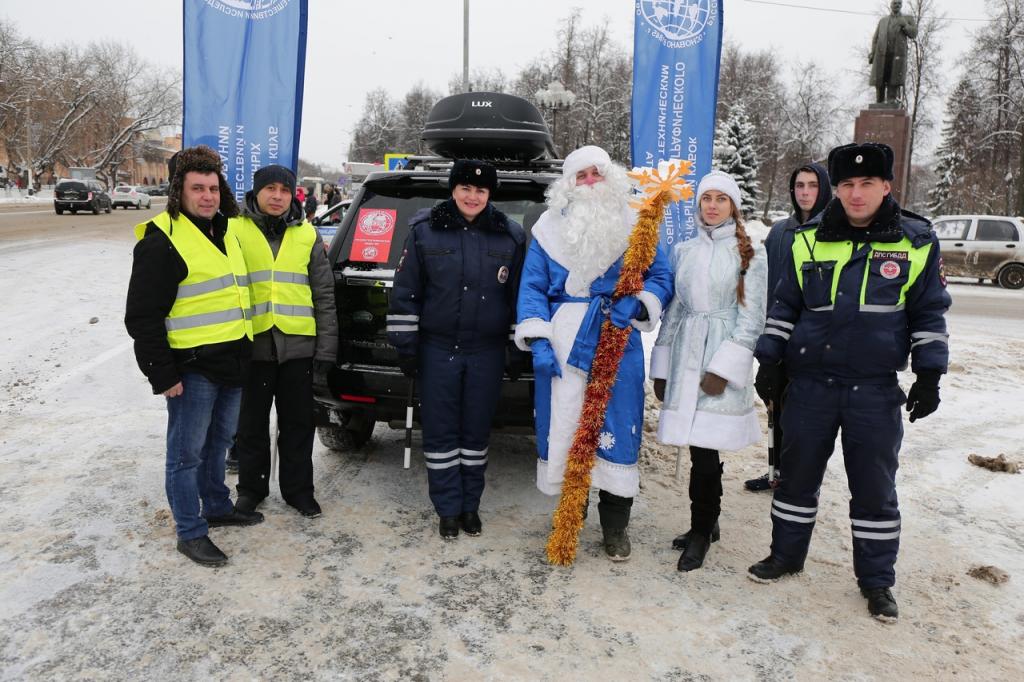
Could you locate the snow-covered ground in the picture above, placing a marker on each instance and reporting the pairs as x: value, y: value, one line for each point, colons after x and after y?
x: 91, y: 587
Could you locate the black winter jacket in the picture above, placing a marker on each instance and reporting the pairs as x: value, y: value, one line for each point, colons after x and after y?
x: 157, y: 269
x: 457, y: 283
x: 780, y: 238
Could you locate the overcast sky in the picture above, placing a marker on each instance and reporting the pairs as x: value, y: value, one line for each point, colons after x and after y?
x: 354, y: 47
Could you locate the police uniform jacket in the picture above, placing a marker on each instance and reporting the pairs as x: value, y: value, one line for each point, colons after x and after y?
x: 457, y: 282
x: 854, y: 303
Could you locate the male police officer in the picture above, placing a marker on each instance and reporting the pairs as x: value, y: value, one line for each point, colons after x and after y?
x: 188, y: 311
x: 862, y: 289
x: 295, y: 327
x: 809, y: 191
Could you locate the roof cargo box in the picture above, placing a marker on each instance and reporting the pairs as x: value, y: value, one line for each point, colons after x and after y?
x: 487, y: 125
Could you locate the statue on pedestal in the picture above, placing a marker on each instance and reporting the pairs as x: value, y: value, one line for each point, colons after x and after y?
x: 888, y: 57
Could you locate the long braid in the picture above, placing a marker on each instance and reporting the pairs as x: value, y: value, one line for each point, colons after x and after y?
x: 746, y: 250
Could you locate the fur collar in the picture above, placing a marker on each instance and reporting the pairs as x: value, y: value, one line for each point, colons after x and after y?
x: 835, y: 227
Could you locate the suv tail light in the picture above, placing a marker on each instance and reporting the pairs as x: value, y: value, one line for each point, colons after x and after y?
x: 89, y: 197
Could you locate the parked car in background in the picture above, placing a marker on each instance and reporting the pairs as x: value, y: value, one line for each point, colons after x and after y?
x: 327, y: 222
x: 983, y: 246
x: 157, y: 190
x: 80, y: 195
x: 130, y: 195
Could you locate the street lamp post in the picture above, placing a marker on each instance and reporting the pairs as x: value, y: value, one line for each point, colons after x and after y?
x: 554, y: 98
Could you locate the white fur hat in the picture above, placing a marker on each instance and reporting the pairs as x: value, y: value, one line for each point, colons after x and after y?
x: 721, y: 182
x: 585, y: 157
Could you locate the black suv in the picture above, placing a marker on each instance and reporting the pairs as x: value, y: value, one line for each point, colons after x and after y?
x: 366, y: 386
x: 81, y: 195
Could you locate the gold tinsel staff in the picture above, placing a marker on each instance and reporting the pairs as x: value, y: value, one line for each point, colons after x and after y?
x: 658, y: 192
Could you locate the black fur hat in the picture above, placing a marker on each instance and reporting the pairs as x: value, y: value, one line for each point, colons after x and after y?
x: 476, y: 173
x: 865, y: 160
x: 201, y: 159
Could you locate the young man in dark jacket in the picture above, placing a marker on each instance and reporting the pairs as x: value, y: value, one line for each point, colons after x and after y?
x: 809, y: 191
x: 296, y: 330
x: 188, y: 312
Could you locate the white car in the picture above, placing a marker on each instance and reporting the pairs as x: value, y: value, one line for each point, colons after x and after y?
x: 983, y: 246
x: 130, y: 195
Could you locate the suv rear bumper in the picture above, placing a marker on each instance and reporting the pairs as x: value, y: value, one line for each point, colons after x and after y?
x: 383, y: 392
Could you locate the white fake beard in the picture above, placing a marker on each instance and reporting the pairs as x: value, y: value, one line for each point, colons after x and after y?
x: 596, y: 224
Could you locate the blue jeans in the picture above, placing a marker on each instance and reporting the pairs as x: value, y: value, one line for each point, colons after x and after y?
x: 201, y: 424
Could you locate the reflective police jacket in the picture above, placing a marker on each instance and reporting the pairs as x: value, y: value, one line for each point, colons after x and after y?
x: 853, y: 303
x: 457, y: 282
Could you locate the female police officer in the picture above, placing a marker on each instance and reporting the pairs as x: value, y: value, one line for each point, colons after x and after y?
x: 452, y: 309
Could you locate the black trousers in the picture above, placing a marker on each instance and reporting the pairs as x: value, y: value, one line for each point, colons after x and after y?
x: 290, y: 384
x: 705, y: 489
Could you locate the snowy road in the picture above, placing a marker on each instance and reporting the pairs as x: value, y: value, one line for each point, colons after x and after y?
x: 90, y: 585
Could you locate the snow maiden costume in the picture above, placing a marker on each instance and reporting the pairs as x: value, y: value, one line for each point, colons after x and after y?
x: 708, y: 331
x: 570, y: 273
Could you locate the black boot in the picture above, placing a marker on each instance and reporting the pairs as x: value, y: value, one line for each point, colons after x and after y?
x: 614, y: 512
x: 471, y: 524
x: 881, y: 604
x: 202, y: 551
x: 448, y: 527
x: 237, y: 517
x: 705, y: 490
x: 680, y: 541
x: 692, y: 557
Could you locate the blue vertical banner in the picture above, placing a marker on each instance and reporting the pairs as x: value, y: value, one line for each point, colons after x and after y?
x: 244, y: 67
x: 677, y: 47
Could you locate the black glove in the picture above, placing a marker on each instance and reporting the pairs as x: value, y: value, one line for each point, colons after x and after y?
x: 516, y: 362
x: 770, y: 382
x: 923, y: 398
x: 409, y: 365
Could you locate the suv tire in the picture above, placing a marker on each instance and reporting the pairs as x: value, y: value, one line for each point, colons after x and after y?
x: 109, y: 208
x: 95, y: 208
x: 347, y: 438
x: 60, y: 211
x: 1012, y: 276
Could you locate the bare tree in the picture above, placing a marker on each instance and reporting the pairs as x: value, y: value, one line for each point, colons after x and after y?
x: 924, y: 75
x: 137, y: 99
x: 378, y: 129
x: 413, y: 114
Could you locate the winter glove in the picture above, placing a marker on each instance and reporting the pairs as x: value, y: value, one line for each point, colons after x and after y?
x: 544, y: 361
x: 712, y: 384
x: 923, y: 398
x: 625, y: 310
x: 409, y: 365
x: 515, y: 362
x: 770, y: 382
x: 659, y: 390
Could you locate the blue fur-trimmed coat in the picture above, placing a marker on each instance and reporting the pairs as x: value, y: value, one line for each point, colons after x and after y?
x: 552, y: 307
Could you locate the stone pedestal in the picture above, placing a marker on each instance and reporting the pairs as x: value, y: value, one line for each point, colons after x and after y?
x: 892, y: 127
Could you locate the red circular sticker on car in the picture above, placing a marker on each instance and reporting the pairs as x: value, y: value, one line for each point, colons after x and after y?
x: 376, y: 223
x: 890, y: 269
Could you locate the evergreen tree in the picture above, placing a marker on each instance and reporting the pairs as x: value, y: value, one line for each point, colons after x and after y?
x: 952, y: 193
x: 734, y: 153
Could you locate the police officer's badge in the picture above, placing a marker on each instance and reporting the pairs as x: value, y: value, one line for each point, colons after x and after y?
x: 890, y: 269
x: 502, y: 274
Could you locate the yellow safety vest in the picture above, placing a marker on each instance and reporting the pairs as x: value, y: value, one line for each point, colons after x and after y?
x: 212, y: 303
x: 900, y: 262
x: 279, y: 287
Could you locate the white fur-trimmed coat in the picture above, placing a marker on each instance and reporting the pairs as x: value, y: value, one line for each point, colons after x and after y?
x: 706, y: 330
